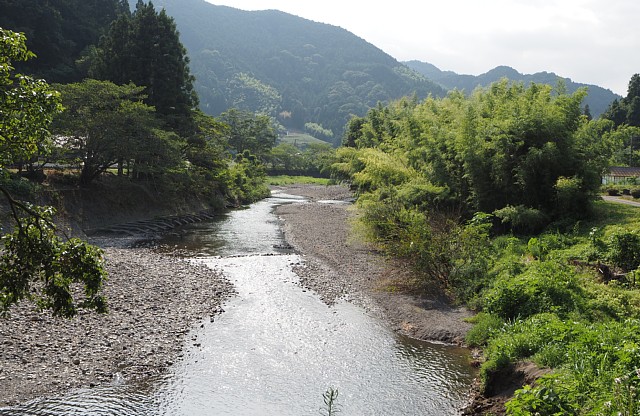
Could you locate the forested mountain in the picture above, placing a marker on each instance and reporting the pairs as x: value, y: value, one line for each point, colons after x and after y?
x: 59, y: 32
x: 598, y: 98
x: 294, y: 69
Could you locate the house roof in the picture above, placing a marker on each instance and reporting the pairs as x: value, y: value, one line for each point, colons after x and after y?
x: 624, y: 171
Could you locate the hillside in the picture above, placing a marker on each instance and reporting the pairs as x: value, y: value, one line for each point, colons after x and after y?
x: 295, y: 69
x: 598, y: 98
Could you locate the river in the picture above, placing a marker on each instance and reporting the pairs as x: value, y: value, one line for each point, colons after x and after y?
x: 277, y: 347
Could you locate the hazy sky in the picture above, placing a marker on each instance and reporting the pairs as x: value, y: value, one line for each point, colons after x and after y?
x: 589, y: 41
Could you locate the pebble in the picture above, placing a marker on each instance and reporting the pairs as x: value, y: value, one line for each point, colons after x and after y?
x: 146, y: 308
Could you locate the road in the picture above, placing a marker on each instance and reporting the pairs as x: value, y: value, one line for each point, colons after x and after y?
x: 620, y: 200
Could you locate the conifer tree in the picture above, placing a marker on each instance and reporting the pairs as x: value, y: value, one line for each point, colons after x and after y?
x: 145, y: 49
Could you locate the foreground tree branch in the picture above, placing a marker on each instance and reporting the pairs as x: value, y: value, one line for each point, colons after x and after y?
x: 35, y: 263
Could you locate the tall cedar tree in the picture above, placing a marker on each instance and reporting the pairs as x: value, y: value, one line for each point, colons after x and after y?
x: 145, y: 49
x: 627, y: 110
x: 59, y: 32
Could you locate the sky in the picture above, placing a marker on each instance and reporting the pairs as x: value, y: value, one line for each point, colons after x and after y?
x: 590, y: 41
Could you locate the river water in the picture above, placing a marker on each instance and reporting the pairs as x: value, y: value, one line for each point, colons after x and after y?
x: 277, y: 347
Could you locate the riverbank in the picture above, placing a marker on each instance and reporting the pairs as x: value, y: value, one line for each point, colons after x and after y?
x: 153, y: 302
x: 150, y: 314
x: 339, y: 264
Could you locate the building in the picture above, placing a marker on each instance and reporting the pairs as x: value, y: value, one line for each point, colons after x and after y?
x: 621, y: 174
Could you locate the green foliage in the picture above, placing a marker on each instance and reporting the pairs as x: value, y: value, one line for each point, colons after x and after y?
x: 484, y: 326
x: 282, y: 180
x: 300, y: 140
x: 624, y: 250
x: 521, y: 219
x: 317, y: 81
x: 286, y: 158
x: 59, y: 33
x: 27, y: 106
x: 34, y: 262
x: 107, y: 124
x: 252, y: 95
x: 319, y: 131
x: 330, y: 398
x: 145, y: 49
x: 249, y: 132
x: 625, y: 111
x: 597, y: 365
x: 244, y: 182
x: 542, y: 287
x: 541, y: 400
x: 505, y: 146
x: 571, y: 199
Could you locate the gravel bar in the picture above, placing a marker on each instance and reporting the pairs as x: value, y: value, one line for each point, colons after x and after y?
x: 154, y: 300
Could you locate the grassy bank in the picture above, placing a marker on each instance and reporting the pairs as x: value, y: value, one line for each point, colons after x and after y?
x: 282, y: 180
x: 568, y: 301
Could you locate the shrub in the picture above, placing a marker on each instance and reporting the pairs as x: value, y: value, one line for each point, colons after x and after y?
x: 571, y: 199
x: 539, y: 400
x: 523, y: 220
x: 543, y: 287
x: 635, y: 192
x: 624, y: 250
x: 484, y: 326
x: 613, y: 192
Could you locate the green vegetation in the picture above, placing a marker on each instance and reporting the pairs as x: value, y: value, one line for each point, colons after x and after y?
x: 306, y: 75
x: 113, y: 135
x: 300, y: 139
x: 330, y: 398
x: 311, y: 160
x: 596, y: 102
x: 492, y: 196
x: 60, y: 33
x: 34, y: 262
x: 282, y: 180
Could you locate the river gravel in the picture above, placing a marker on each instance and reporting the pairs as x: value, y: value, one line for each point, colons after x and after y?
x: 338, y: 264
x: 153, y: 302
x: 156, y: 299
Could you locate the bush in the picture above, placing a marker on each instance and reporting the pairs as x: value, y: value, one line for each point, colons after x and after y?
x: 613, y: 192
x: 571, y: 199
x: 624, y: 250
x: 484, y: 326
x: 523, y: 220
x: 543, y: 287
x: 635, y: 192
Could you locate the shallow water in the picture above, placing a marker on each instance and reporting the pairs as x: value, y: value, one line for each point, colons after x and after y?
x: 277, y: 347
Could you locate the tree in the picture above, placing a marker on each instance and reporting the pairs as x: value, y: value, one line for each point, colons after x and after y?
x: 506, y: 145
x: 627, y: 110
x: 34, y: 262
x: 207, y: 148
x: 59, y: 32
x: 353, y: 131
x: 105, y: 125
x: 249, y: 132
x: 145, y: 49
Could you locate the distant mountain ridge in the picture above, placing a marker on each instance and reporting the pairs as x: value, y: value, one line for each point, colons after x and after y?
x: 294, y: 69
x: 598, y: 98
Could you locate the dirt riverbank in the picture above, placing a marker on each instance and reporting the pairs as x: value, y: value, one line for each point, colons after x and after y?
x: 153, y: 302
x: 150, y: 315
x: 338, y: 264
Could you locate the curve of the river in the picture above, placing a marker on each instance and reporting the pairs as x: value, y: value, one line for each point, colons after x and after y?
x: 277, y: 347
